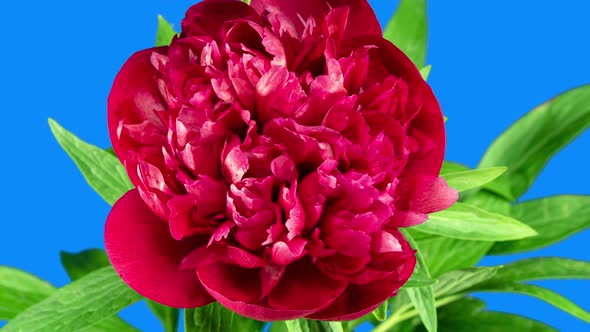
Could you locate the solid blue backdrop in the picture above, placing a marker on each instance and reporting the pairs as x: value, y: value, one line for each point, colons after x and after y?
x: 492, y: 62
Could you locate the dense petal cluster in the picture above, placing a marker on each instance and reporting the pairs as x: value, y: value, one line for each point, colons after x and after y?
x: 275, y: 151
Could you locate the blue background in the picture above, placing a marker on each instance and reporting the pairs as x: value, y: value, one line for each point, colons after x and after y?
x: 492, y: 61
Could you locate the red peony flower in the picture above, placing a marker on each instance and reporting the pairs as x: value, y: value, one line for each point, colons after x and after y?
x: 275, y: 149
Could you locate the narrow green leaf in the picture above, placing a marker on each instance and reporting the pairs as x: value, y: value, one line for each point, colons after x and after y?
x: 527, y: 146
x: 553, y: 218
x: 247, y: 1
x: 425, y: 72
x: 80, y: 264
x: 453, y: 167
x: 541, y: 293
x: 103, y: 172
x: 490, y: 321
x: 463, y: 307
x: 77, y: 265
x: 215, y: 318
x: 165, y: 32
x: 408, y: 30
x: 456, y: 281
x: 488, y: 200
x: 381, y: 312
x: 305, y: 325
x: 462, y: 181
x: 422, y: 297
x: 543, y: 268
x: 468, y: 222
x: 443, y: 254
x: 20, y: 290
x: 419, y: 280
x: 168, y: 316
x: 67, y: 308
x: 278, y: 326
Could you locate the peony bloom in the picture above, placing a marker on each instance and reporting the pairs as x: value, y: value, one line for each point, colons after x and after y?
x: 275, y: 151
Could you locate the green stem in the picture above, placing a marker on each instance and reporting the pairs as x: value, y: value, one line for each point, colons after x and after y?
x: 401, y: 315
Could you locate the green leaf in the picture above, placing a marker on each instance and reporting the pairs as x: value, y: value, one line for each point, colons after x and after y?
x: 452, y: 167
x: 527, y: 146
x: 468, y: 314
x: 507, y: 280
x: 489, y: 201
x: 468, y: 222
x: 77, y: 265
x: 462, y: 181
x: 67, y: 308
x: 443, y: 254
x: 425, y: 72
x: 20, y: 290
x: 408, y: 30
x: 541, y: 293
x: 80, y: 264
x: 554, y: 219
x: 305, y: 325
x: 215, y: 318
x: 247, y: 1
x: 490, y: 321
x: 422, y: 297
x: 419, y: 280
x: 456, y: 281
x: 111, y: 151
x: 381, y: 312
x: 465, y: 306
x: 543, y: 268
x: 103, y: 172
x: 168, y: 316
x: 165, y: 32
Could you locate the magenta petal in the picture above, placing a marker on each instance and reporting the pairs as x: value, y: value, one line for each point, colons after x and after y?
x: 360, y: 13
x: 208, y: 17
x: 244, y: 258
x: 147, y: 258
x: 426, y: 194
x: 239, y: 290
x: 135, y: 95
x: 304, y: 286
x: 358, y: 300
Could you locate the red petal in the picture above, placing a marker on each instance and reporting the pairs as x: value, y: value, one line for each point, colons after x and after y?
x: 301, y: 291
x: 147, y: 258
x: 360, y: 14
x: 358, y: 300
x: 208, y: 17
x: 135, y: 95
x: 239, y: 289
x: 427, y: 126
x: 304, y: 287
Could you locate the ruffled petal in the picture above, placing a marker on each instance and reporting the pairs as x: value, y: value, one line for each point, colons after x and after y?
x: 360, y: 13
x: 147, y: 258
x: 423, y: 118
x: 135, y: 96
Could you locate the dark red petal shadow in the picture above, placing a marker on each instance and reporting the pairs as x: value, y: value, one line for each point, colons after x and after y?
x: 302, y: 290
x: 147, y: 258
x: 207, y: 18
x: 359, y: 300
